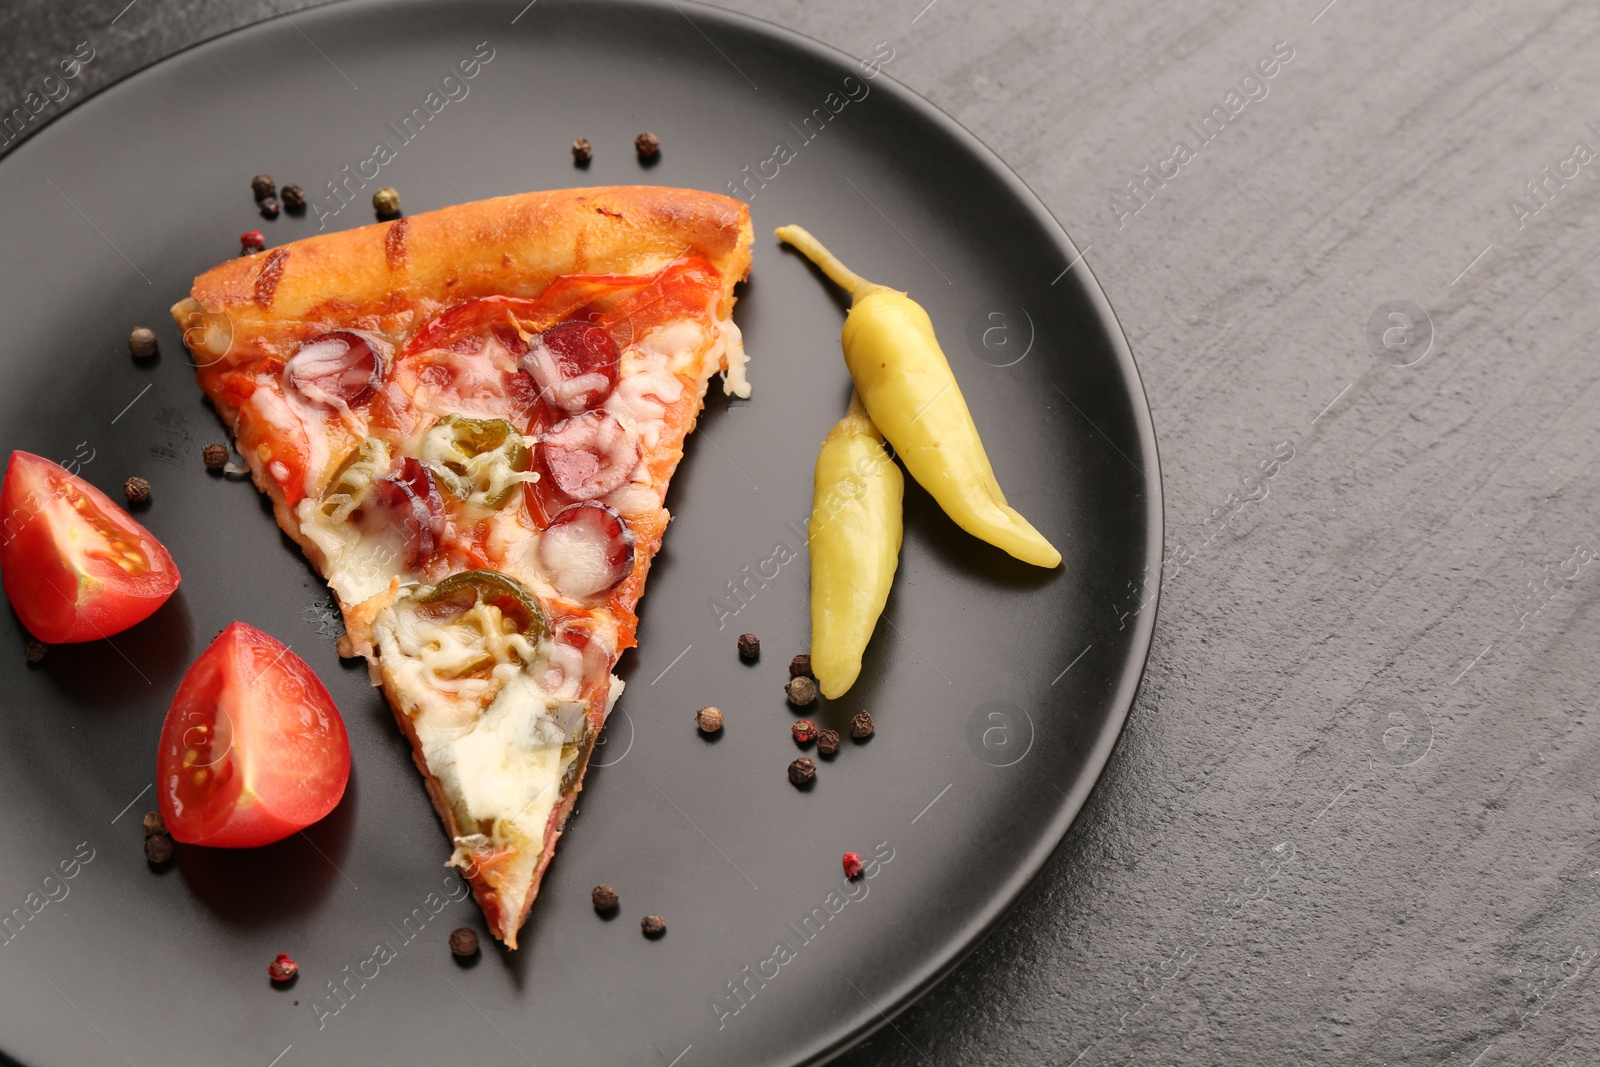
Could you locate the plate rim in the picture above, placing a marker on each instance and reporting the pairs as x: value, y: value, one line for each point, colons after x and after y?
x: 966, y: 940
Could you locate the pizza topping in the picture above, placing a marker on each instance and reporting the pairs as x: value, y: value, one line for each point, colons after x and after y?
x: 462, y: 593
x: 586, y: 550
x: 479, y: 462
x: 142, y: 342
x: 574, y: 364
x: 340, y: 369
x: 409, y: 494
x: 589, y: 455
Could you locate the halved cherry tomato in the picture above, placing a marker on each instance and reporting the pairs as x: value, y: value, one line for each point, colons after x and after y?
x: 253, y: 748
x: 75, y: 565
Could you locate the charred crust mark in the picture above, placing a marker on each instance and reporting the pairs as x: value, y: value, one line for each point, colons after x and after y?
x: 271, y: 274
x: 394, y: 244
x: 608, y: 212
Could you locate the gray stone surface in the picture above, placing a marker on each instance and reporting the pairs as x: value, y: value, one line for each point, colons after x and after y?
x: 1352, y: 817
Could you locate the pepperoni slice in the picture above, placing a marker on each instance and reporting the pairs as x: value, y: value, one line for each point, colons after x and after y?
x: 589, y: 455
x: 412, y: 507
x: 336, y: 368
x: 586, y: 551
x: 574, y: 364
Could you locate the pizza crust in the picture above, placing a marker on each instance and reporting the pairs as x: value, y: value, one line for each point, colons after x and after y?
x: 508, y: 246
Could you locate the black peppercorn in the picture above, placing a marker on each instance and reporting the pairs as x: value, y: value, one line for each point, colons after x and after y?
x: 648, y: 145
x: 215, y: 456
x: 142, y: 342
x: 749, y: 646
x: 828, y: 742
x: 34, y: 650
x: 861, y: 726
x: 801, y: 691
x: 263, y: 186
x: 158, y: 848
x: 802, y: 771
x: 136, y: 489
x: 269, y: 208
x: 463, y: 942
x: 653, y: 926
x: 605, y: 898
x: 800, y: 667
x: 582, y: 151
x: 708, y: 719
x: 294, y: 197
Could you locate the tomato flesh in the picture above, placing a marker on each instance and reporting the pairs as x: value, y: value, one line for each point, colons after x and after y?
x: 253, y: 748
x: 76, y: 567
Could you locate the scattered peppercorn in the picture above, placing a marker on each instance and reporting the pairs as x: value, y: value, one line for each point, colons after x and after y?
x: 861, y: 726
x: 154, y: 823
x: 828, y: 742
x: 294, y: 197
x: 805, y: 732
x: 802, y: 771
x: 463, y: 942
x: 34, y: 650
x: 653, y: 926
x: 158, y: 849
x: 852, y: 865
x: 215, y: 456
x: 263, y: 186
x: 582, y: 151
x: 269, y: 208
x: 749, y: 646
x: 648, y: 145
x: 605, y: 898
x: 386, y: 202
x: 800, y: 667
x: 252, y: 241
x: 136, y: 489
x: 801, y: 690
x: 708, y: 719
x: 282, y: 969
x: 142, y: 342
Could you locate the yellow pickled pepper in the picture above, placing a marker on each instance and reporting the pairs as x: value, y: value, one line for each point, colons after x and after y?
x: 911, y: 395
x: 854, y: 543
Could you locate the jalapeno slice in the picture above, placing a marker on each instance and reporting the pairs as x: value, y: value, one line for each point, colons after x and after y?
x: 478, y: 461
x: 460, y: 593
x: 353, y: 478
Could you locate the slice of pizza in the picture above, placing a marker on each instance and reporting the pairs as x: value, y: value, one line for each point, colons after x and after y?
x: 468, y: 420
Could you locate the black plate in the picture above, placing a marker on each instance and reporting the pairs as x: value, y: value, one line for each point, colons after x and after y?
x: 998, y: 689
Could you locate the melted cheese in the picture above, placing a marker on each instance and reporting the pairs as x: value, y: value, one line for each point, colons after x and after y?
x: 356, y: 565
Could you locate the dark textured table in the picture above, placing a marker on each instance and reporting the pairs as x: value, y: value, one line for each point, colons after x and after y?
x: 1351, y: 819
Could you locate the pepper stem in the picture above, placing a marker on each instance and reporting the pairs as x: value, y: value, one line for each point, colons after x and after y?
x: 800, y: 238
